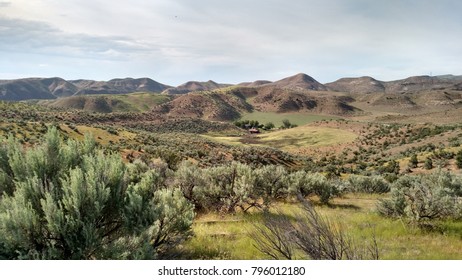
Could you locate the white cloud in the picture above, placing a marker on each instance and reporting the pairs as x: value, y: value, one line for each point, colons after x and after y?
x: 231, y: 41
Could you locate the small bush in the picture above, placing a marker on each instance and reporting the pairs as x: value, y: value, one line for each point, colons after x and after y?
x: 368, y: 184
x: 302, y: 183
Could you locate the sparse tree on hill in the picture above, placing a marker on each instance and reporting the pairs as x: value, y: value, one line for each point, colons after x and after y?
x: 413, y: 161
x: 428, y: 163
x: 286, y: 124
x: 269, y: 126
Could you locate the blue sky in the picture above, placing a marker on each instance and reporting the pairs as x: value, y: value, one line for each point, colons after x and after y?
x: 174, y: 41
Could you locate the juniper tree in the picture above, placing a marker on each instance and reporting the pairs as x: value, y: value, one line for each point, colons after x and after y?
x: 413, y: 161
x: 428, y: 163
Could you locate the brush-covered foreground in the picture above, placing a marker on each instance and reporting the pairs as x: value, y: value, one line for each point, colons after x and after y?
x: 325, y: 152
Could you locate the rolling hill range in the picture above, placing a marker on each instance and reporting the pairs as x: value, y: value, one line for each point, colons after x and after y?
x: 409, y: 85
x: 52, y: 88
x: 346, y: 97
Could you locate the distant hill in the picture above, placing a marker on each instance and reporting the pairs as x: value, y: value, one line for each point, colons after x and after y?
x: 357, y: 85
x: 119, y: 86
x: 51, y: 88
x: 450, y: 78
x: 255, y: 83
x: 195, y: 86
x: 215, y: 105
x: 287, y: 100
x: 417, y: 84
x: 409, y: 85
x: 299, y: 82
x: 35, y: 88
x: 138, y: 102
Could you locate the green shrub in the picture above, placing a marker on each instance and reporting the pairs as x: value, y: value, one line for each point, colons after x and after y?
x: 424, y: 198
x: 234, y: 183
x: 302, y: 183
x: 428, y: 163
x: 271, y: 183
x: 413, y: 161
x: 74, y: 201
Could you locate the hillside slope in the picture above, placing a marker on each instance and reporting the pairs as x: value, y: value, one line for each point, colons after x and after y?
x: 137, y: 102
x: 215, y: 105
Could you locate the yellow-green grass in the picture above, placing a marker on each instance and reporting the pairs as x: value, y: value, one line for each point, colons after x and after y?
x: 294, y: 138
x: 101, y: 135
x: 277, y: 118
x: 228, y: 140
x: 228, y: 236
x: 222, y: 237
x: 304, y: 136
x: 140, y: 102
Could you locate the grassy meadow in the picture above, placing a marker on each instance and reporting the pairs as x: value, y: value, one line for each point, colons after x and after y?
x: 289, y: 139
x: 141, y: 102
x: 227, y: 237
x: 277, y: 118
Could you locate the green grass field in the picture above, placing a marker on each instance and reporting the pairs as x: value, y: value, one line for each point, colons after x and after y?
x: 276, y: 118
x: 303, y: 136
x: 287, y: 139
x: 227, y: 237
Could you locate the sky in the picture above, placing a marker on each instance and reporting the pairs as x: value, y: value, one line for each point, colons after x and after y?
x: 229, y: 41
